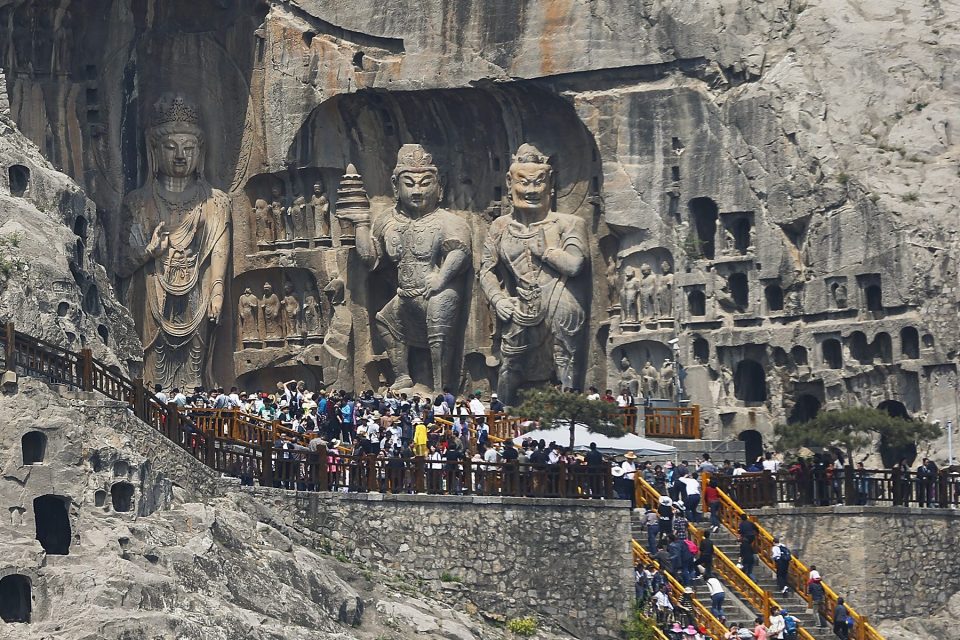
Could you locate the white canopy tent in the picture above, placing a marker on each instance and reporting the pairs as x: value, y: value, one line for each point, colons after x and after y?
x: 582, y: 438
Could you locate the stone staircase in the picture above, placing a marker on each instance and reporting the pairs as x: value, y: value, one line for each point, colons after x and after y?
x: 766, y: 579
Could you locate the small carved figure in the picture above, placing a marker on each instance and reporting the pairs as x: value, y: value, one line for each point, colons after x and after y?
x: 648, y: 293
x: 840, y: 296
x: 665, y: 290
x: 629, y: 379
x: 729, y: 241
x: 270, y: 314
x: 320, y: 210
x: 668, y: 380
x: 298, y: 217
x: 628, y: 295
x: 726, y: 381
x: 266, y: 224
x: 650, y: 380
x: 311, y: 316
x: 612, y: 280
x: 247, y: 316
x: 336, y: 341
x: 277, y: 209
x: 291, y: 311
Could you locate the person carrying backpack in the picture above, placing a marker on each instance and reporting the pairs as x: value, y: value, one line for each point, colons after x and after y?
x: 790, y: 626
x: 781, y: 557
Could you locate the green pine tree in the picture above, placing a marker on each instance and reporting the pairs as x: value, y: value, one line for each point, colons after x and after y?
x: 853, y: 429
x: 553, y: 407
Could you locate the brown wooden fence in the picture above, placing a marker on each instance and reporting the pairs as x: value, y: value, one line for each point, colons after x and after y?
x: 241, y: 445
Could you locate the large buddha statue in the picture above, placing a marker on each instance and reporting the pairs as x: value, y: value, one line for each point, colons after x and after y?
x: 176, y: 233
x: 430, y: 249
x: 529, y: 273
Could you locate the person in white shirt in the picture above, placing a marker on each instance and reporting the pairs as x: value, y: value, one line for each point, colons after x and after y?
x: 476, y: 406
x: 770, y: 463
x: 625, y: 400
x: 738, y: 470
x: 716, y: 596
x: 663, y: 604
x: 594, y: 394
x: 777, y: 626
x: 161, y: 396
x: 691, y: 496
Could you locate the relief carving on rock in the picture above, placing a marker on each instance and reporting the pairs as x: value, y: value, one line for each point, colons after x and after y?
x: 531, y: 261
x: 177, y: 250
x: 430, y: 248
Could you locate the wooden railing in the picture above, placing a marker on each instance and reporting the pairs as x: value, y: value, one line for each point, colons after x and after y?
x: 735, y: 579
x: 821, y: 487
x: 731, y: 514
x: 701, y: 614
x: 680, y: 423
x: 243, y: 445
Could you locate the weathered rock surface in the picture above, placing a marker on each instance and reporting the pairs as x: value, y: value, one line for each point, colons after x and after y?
x: 181, y: 562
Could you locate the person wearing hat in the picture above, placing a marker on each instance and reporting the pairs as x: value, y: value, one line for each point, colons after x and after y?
x: 629, y: 471
x: 665, y: 516
x: 495, y: 405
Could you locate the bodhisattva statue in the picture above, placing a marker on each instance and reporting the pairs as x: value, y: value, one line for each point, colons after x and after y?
x: 431, y: 249
x: 270, y: 314
x: 336, y: 342
x: 247, y: 316
x: 266, y: 225
x: 628, y: 295
x: 311, y: 316
x: 320, y: 207
x: 176, y: 251
x: 665, y: 290
x: 628, y: 377
x: 649, y: 380
x: 668, y: 380
x: 648, y: 293
x: 291, y: 312
x: 277, y: 209
x: 298, y: 217
x: 531, y: 260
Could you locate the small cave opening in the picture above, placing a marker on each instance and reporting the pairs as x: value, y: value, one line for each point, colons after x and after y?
x: 80, y: 227
x: 832, y: 353
x: 741, y: 235
x: 701, y: 349
x: 103, y: 332
x: 859, y: 350
x: 696, y: 303
x: 91, y: 300
x: 909, y: 342
x: 358, y: 61
x: 19, y: 179
x: 892, y: 454
x: 99, y: 498
x: 34, y: 447
x: 805, y: 408
x: 773, y: 294
x: 883, y: 347
x: 752, y: 445
x: 799, y: 355
x: 874, y: 298
x: 750, y: 381
x: 121, y: 495
x: 53, y: 523
x: 703, y: 214
x: 739, y: 289
x: 15, y: 598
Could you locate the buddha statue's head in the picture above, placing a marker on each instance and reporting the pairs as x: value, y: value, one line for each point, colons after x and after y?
x: 416, y: 181
x: 530, y: 180
x: 175, y: 139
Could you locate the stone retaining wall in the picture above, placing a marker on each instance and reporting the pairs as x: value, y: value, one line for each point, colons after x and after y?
x: 568, y: 560
x: 889, y: 562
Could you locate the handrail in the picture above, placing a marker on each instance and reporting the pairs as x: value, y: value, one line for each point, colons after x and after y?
x: 733, y: 576
x: 701, y: 614
x: 731, y: 515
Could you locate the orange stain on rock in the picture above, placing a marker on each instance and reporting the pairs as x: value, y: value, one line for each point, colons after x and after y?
x: 555, y: 28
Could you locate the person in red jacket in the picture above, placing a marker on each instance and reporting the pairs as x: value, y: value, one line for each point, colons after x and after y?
x: 712, y: 497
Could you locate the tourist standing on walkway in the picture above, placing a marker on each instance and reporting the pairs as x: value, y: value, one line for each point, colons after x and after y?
x: 759, y: 631
x: 691, y: 496
x: 748, y: 534
x: 652, y: 522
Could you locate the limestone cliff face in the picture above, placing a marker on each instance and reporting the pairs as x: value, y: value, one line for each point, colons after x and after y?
x: 792, y: 163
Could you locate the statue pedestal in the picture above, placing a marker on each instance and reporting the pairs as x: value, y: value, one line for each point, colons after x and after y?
x: 284, y: 244
x: 348, y: 241
x: 666, y: 323
x: 301, y: 243
x: 252, y: 344
x: 274, y: 342
x: 314, y: 339
x: 325, y: 241
x: 629, y: 326
x: 265, y: 246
